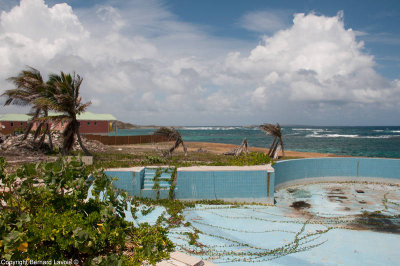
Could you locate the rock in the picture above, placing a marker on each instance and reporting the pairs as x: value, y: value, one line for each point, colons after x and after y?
x: 16, y: 144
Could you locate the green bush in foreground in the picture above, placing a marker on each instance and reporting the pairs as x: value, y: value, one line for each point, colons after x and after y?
x: 46, y: 215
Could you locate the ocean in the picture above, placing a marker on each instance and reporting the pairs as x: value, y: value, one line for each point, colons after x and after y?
x: 353, y: 141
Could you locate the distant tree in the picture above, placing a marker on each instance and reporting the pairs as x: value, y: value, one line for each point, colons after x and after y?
x: 30, y: 87
x: 63, y: 96
x: 274, y: 131
x: 172, y: 135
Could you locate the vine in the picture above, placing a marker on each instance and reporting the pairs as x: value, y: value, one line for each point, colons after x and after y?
x: 301, y: 242
x: 171, y: 193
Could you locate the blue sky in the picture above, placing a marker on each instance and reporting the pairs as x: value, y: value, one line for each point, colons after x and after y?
x: 379, y: 20
x: 215, y: 62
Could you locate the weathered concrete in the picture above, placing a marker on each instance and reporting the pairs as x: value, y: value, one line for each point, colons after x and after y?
x: 181, y: 259
x: 204, y: 168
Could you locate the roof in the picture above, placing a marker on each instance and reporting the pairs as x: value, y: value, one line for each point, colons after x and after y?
x: 82, y: 116
x: 93, y: 116
x: 15, y: 117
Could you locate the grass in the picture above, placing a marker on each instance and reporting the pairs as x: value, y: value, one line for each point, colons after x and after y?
x: 116, y: 159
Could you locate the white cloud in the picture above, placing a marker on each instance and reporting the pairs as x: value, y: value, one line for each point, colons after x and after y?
x: 142, y: 64
x: 315, y: 60
x: 264, y: 21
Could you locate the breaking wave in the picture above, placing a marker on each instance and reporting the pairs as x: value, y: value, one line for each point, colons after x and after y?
x: 211, y: 128
x: 332, y: 136
x: 350, y: 136
x: 309, y: 129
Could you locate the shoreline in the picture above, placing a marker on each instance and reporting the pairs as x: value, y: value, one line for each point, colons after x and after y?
x: 217, y: 148
x: 223, y: 147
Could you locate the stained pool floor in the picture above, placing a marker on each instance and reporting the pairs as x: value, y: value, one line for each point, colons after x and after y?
x: 320, y: 224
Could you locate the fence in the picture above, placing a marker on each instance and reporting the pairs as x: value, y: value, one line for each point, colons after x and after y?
x: 126, y: 140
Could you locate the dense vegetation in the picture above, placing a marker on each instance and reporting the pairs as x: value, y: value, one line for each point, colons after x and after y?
x: 46, y: 214
x: 117, y: 159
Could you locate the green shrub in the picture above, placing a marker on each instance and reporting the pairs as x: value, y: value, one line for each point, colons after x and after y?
x: 252, y: 158
x: 46, y: 215
x: 150, y: 160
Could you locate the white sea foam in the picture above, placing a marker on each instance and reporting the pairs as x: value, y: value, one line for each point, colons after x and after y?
x: 211, y: 128
x: 308, y: 129
x: 197, y: 128
x: 350, y: 136
x: 332, y: 136
x: 378, y: 130
x: 380, y: 137
x: 395, y: 131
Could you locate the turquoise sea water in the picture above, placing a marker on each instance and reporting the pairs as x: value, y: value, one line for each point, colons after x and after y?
x: 354, y: 141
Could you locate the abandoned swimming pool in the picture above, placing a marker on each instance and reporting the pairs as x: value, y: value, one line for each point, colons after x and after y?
x: 347, y: 205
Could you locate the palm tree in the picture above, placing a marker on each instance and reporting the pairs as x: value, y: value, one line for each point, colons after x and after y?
x: 274, y: 131
x: 172, y: 134
x: 63, y: 96
x: 29, y: 87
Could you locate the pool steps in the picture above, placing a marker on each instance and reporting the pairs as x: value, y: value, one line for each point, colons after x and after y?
x: 163, y: 180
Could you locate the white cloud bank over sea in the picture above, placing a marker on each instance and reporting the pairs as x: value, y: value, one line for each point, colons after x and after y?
x: 144, y: 65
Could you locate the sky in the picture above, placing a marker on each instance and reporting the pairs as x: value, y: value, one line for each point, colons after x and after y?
x: 226, y: 62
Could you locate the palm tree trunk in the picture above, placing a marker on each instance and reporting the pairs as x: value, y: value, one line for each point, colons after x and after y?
x: 176, y: 145
x: 38, y: 129
x: 184, y: 147
x: 50, y: 140
x: 272, y: 147
x: 87, y: 153
x: 274, y: 150
x: 48, y: 127
x: 283, y: 151
x: 28, y: 129
x: 242, y: 146
x: 30, y: 124
x: 40, y: 143
x: 68, y: 137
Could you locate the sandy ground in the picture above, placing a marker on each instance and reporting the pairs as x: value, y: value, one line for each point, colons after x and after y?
x: 216, y: 148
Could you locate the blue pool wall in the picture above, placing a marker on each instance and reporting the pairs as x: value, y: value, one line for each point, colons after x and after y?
x: 241, y: 184
x: 258, y: 183
x: 152, y: 194
x: 330, y: 169
x: 129, y: 179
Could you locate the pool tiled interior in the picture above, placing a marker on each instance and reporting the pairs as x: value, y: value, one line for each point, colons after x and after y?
x: 336, y: 228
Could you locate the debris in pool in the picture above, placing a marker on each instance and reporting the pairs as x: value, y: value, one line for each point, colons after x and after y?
x: 301, y: 194
x: 337, y: 196
x: 300, y: 205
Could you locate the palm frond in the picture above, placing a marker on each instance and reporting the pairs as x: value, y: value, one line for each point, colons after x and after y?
x: 274, y: 131
x: 63, y: 96
x: 171, y: 134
